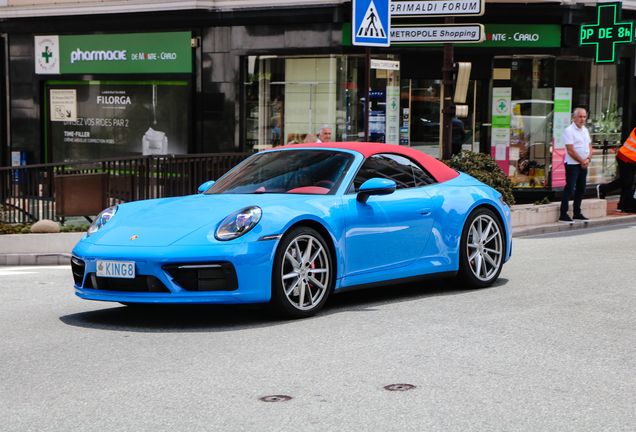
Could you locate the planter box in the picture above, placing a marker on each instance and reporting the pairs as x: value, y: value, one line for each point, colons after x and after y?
x: 530, y: 214
x: 39, y: 243
x: 37, y: 249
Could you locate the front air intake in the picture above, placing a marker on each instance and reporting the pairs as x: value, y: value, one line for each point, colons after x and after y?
x: 140, y: 283
x: 204, y: 277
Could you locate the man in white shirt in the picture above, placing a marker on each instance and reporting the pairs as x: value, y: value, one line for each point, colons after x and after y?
x: 579, y: 151
x: 324, y: 134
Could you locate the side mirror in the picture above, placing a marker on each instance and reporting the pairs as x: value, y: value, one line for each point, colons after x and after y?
x: 205, y: 186
x: 375, y: 186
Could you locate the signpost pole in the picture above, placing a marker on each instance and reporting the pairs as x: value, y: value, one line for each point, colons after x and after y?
x: 371, y: 25
x: 448, y: 109
x: 366, y: 95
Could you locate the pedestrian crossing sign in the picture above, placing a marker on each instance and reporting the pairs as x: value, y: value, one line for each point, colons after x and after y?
x: 371, y: 23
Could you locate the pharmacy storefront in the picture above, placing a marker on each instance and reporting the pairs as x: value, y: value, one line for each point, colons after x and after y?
x: 533, y: 96
x: 532, y: 101
x: 117, y: 95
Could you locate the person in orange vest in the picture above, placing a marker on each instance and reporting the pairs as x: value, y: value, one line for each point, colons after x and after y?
x: 626, y: 161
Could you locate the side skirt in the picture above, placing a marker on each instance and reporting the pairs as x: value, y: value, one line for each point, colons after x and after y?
x: 442, y: 275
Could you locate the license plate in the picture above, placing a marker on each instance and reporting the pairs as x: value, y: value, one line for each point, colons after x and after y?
x: 116, y: 269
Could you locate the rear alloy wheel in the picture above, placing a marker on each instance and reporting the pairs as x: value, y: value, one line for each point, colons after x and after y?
x: 302, y: 276
x: 482, y: 249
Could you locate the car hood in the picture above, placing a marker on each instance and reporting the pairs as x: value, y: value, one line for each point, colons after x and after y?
x: 163, y: 222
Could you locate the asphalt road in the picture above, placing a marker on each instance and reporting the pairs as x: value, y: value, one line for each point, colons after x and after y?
x: 551, y: 347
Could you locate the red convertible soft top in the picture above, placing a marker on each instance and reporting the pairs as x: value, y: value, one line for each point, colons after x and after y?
x: 439, y: 170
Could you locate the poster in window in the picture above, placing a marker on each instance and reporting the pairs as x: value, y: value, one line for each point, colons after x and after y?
x: 122, y: 120
x: 377, y: 117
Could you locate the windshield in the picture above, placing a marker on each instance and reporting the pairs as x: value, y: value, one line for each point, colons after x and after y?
x: 314, y: 172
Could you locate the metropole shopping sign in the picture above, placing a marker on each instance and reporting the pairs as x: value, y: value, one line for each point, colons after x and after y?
x: 407, y: 34
x: 608, y: 31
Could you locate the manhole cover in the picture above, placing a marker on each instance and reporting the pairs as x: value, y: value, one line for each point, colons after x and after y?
x: 399, y: 387
x: 275, y: 398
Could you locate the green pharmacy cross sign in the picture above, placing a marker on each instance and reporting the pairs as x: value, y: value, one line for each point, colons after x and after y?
x: 607, y: 32
x: 47, y: 54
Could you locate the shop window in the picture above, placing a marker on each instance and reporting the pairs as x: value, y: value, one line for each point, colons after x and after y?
x: 421, y: 117
x: 424, y: 112
x: 605, y: 120
x: 598, y: 88
x: 287, y: 99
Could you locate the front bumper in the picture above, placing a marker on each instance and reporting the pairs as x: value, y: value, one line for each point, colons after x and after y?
x: 210, y: 274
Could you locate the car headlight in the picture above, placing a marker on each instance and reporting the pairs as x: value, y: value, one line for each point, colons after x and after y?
x: 101, y: 219
x: 238, y: 223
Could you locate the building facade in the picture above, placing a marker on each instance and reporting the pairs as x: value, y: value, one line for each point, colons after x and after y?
x: 94, y: 80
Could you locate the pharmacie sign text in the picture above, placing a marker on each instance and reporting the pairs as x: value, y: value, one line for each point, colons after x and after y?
x: 116, y: 53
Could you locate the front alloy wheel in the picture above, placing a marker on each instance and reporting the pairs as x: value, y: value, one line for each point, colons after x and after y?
x: 482, y: 249
x: 302, y: 276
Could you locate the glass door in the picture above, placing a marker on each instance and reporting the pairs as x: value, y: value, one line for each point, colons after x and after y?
x: 523, y: 102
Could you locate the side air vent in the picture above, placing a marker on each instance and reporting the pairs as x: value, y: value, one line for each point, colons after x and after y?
x: 78, y: 266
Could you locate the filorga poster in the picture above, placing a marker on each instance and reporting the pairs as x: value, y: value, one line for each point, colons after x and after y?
x: 122, y: 120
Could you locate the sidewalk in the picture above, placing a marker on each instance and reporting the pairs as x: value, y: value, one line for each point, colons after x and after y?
x: 527, y: 220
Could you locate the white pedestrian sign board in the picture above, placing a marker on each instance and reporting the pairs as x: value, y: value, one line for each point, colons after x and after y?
x: 410, y: 8
x: 371, y: 23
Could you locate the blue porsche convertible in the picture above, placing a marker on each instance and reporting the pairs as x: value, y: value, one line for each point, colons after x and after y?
x: 291, y: 225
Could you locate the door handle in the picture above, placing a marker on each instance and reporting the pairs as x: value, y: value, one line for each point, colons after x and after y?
x: 424, y: 211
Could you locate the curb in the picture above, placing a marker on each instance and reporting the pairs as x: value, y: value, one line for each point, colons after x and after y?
x: 35, y: 259
x: 525, y: 231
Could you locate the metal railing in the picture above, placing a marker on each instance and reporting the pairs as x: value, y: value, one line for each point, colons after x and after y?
x: 27, y: 193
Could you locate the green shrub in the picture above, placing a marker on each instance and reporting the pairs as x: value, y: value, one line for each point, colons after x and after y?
x: 12, y: 228
x: 545, y: 200
x: 485, y: 169
x: 81, y: 228
x: 65, y: 229
x: 25, y: 230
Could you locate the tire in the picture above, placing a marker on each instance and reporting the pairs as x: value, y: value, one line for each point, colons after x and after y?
x: 482, y: 250
x: 302, y: 276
